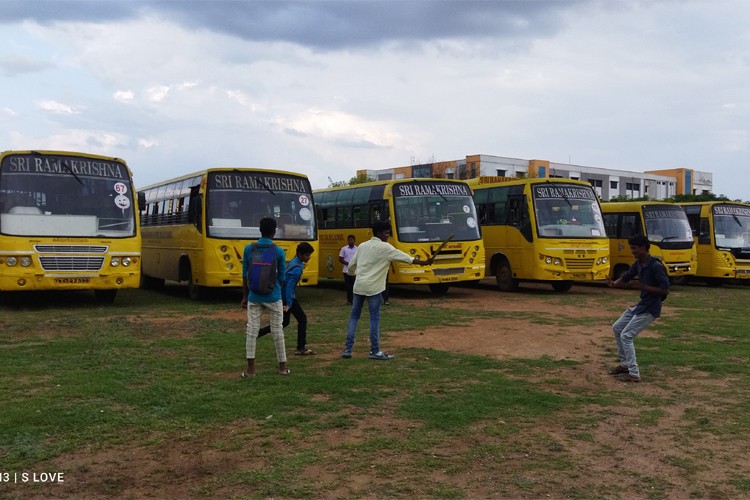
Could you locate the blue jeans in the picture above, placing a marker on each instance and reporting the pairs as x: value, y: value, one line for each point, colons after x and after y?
x: 373, y: 304
x: 626, y: 328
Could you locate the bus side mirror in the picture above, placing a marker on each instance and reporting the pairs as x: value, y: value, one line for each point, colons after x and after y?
x: 141, y: 201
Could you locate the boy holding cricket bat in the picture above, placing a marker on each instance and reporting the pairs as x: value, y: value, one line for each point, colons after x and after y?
x: 370, y: 268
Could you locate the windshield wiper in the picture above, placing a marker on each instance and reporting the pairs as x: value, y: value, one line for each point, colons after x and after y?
x: 564, y: 196
x: 263, y: 184
x: 65, y: 164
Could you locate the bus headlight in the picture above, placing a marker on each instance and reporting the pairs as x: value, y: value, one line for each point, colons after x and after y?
x: 223, y: 249
x: 226, y: 257
x: 126, y: 261
x: 473, y: 254
x: 557, y: 261
x: 11, y: 261
x: 114, y: 262
x: 25, y: 261
x: 230, y: 266
x: 602, y: 260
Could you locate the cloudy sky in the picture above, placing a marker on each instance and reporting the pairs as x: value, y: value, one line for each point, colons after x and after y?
x: 329, y: 87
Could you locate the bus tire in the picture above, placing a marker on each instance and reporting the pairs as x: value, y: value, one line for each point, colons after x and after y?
x: 439, y: 288
x: 196, y: 292
x: 105, y: 296
x: 562, y: 286
x: 504, y: 277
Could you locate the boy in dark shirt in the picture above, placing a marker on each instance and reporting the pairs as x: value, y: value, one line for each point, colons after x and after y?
x: 653, y: 283
x: 292, y: 306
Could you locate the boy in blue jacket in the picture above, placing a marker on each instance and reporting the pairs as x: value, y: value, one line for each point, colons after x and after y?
x: 292, y: 306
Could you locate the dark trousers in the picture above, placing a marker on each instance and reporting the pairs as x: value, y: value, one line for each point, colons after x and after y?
x: 296, y: 311
x: 349, y: 281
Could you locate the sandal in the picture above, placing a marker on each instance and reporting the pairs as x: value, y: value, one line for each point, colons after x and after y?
x: 306, y: 352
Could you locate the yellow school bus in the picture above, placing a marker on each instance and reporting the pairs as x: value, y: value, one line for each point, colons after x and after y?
x: 667, y: 229
x: 423, y: 214
x: 195, y: 227
x: 721, y: 230
x: 541, y: 230
x: 68, y: 221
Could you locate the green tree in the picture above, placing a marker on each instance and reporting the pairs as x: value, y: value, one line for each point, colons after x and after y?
x: 680, y: 198
x: 357, y: 179
x: 624, y: 197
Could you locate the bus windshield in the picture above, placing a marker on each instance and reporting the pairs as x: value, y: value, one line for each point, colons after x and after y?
x: 61, y: 195
x: 567, y: 210
x: 665, y: 223
x: 731, y: 226
x: 237, y: 201
x: 433, y: 211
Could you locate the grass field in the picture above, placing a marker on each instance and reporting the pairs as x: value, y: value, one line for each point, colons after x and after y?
x: 143, y: 398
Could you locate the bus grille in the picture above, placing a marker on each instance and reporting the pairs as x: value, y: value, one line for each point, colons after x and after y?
x: 71, y: 263
x: 448, y: 271
x: 579, y: 263
x: 70, y: 249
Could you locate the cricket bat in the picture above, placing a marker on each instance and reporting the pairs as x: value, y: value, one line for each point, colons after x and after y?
x: 442, y: 245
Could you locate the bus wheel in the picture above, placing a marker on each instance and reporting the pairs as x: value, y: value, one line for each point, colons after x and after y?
x: 105, y: 296
x: 504, y: 276
x: 439, y: 288
x: 195, y: 291
x: 562, y: 286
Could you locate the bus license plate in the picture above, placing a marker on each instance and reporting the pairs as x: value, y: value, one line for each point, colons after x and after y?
x: 444, y: 279
x: 71, y: 281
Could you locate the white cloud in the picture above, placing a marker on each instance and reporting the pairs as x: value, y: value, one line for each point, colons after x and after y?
x: 90, y: 141
x: 9, y: 112
x: 124, y: 95
x: 241, y: 98
x: 147, y: 143
x: 57, y: 107
x: 157, y: 93
x: 341, y: 128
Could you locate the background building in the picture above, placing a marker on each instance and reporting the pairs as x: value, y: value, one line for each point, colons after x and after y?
x: 608, y: 183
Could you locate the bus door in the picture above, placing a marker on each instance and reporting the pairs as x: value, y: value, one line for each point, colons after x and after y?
x: 520, y: 240
x: 628, y: 225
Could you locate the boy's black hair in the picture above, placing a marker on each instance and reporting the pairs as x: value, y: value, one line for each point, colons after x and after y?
x: 639, y: 240
x: 379, y: 226
x: 305, y: 248
x: 267, y: 227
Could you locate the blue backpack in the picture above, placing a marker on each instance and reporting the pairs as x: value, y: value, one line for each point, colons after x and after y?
x: 261, y: 276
